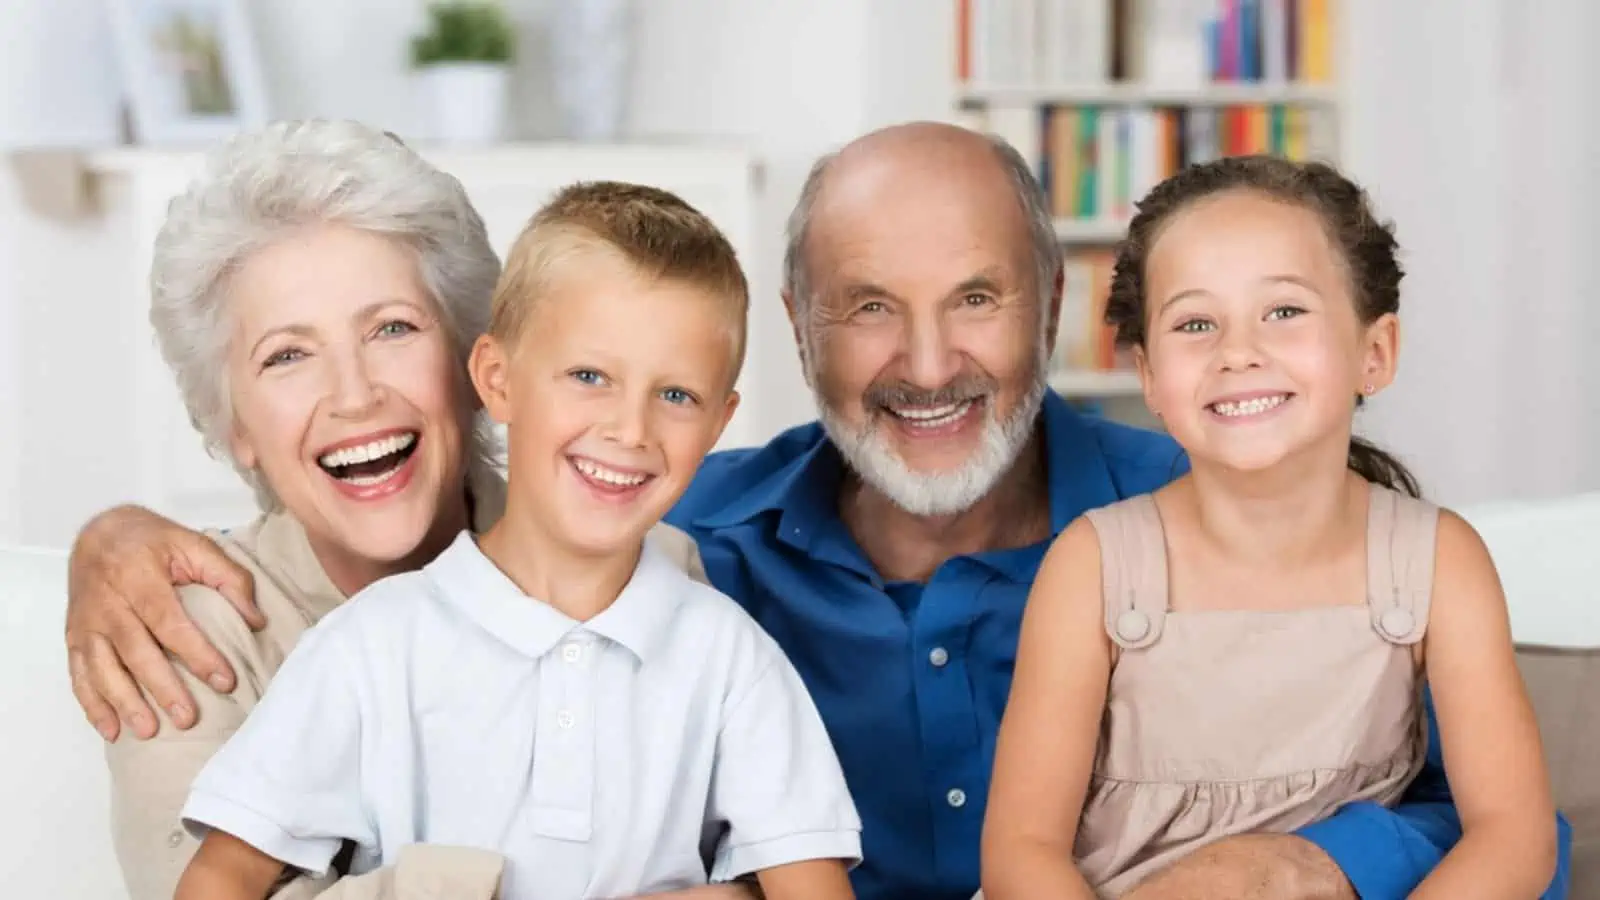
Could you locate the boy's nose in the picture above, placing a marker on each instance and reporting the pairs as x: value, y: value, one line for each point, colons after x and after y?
x: 629, y: 424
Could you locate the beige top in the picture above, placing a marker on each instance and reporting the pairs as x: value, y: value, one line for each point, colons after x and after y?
x: 150, y: 779
x: 1221, y: 722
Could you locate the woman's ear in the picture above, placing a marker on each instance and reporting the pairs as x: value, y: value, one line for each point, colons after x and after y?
x: 1380, y: 354
x: 490, y: 368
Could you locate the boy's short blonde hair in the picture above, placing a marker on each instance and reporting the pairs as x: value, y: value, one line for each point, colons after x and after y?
x: 652, y: 231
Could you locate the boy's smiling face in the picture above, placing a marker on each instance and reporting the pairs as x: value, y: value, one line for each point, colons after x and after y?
x: 613, y: 392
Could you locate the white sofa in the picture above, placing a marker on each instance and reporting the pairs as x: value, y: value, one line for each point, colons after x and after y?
x: 55, y: 836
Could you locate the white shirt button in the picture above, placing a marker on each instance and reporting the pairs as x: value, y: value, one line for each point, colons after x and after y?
x: 938, y: 656
x: 564, y: 719
x: 174, y: 838
x: 571, y: 653
x: 957, y: 798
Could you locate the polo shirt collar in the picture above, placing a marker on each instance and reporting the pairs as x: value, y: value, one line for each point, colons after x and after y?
x: 469, y: 581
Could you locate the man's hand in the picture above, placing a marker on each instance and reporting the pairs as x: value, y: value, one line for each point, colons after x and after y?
x: 123, y: 616
x: 1250, y: 867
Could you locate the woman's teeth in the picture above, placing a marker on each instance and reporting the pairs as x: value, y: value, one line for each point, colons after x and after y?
x: 1251, y: 407
x: 932, y: 416
x: 594, y: 470
x: 349, y: 456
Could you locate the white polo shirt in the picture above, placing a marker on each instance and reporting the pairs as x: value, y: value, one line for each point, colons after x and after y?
x: 606, y: 758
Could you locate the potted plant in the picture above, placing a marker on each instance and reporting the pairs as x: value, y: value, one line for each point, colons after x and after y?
x: 463, y: 59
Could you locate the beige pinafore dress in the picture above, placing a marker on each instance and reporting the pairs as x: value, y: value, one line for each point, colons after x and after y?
x: 1223, y: 722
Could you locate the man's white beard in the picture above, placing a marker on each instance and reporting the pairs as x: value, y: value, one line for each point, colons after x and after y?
x: 868, y: 452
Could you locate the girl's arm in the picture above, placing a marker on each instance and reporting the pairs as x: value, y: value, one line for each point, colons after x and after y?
x: 1050, y: 728
x: 822, y: 879
x: 226, y: 868
x: 1488, y: 734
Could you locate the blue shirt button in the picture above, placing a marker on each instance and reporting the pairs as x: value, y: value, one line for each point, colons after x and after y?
x: 938, y: 656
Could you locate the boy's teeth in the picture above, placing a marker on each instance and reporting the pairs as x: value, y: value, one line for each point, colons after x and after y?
x: 1249, y: 407
x: 609, y: 476
x: 930, y: 416
x: 349, y: 456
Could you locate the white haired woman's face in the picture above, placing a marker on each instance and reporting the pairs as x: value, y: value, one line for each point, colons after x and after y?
x: 346, y: 395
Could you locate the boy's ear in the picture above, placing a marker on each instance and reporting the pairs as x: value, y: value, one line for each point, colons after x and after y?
x: 490, y: 368
x: 728, y: 409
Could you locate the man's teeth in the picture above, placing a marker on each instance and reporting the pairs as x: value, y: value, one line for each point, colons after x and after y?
x: 932, y: 416
x: 349, y: 456
x: 594, y: 470
x: 1251, y: 407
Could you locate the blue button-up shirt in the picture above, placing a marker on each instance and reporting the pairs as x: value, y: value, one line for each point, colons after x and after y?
x: 911, y: 679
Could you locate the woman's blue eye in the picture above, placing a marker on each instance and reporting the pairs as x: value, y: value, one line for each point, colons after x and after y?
x: 396, y: 328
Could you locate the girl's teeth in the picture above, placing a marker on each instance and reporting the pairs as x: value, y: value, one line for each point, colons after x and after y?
x: 609, y: 476
x: 1250, y: 407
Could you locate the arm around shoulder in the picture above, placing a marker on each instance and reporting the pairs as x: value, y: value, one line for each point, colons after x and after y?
x: 1045, y: 750
x: 150, y: 778
x: 1489, y: 735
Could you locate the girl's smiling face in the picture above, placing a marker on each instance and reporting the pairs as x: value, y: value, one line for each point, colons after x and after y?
x: 1255, y: 348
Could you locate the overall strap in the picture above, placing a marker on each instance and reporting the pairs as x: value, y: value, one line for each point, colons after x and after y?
x: 1133, y: 566
x: 1400, y: 554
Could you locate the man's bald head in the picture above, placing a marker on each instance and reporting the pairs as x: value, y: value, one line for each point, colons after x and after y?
x: 948, y: 167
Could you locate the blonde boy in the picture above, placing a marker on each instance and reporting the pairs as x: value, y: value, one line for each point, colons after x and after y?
x: 556, y: 690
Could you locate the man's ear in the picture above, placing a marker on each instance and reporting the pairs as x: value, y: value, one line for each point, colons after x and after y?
x: 1052, y: 324
x: 490, y: 368
x: 797, y: 327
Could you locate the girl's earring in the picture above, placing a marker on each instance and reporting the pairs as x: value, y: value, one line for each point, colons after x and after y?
x: 1369, y: 390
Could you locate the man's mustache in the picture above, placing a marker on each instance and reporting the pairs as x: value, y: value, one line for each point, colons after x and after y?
x: 902, y: 394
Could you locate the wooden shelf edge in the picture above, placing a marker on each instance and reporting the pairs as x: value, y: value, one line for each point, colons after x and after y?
x: 1113, y: 93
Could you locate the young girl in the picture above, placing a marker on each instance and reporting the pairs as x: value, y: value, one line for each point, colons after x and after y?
x: 1245, y: 650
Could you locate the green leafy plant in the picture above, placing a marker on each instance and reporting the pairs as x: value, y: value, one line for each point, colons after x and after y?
x: 464, y: 31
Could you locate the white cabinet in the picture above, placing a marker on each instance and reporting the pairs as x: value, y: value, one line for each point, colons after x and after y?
x: 101, y: 420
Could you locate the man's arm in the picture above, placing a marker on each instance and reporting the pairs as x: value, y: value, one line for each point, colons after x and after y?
x: 1251, y: 867
x: 124, y: 617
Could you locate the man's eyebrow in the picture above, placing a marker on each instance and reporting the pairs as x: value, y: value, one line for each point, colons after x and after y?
x: 986, y: 280
x: 866, y: 290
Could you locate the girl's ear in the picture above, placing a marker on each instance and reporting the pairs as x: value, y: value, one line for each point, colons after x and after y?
x: 1380, y: 354
x: 490, y: 368
x: 1141, y: 365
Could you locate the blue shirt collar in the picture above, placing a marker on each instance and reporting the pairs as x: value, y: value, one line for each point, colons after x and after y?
x: 804, y: 493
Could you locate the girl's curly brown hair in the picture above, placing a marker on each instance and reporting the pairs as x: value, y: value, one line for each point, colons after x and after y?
x: 1366, y: 246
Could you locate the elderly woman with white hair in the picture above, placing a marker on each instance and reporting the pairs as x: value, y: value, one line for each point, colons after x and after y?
x: 316, y: 291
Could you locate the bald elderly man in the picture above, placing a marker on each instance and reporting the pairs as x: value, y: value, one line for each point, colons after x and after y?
x: 890, y: 559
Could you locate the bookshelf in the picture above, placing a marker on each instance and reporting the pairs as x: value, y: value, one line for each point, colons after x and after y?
x: 1105, y: 98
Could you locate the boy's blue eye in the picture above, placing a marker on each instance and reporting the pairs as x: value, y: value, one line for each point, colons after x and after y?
x: 588, y: 376
x: 677, y: 396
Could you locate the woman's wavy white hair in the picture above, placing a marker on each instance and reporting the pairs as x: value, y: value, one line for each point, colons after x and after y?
x: 271, y: 182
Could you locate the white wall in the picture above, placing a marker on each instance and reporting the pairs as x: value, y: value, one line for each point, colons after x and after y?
x: 1471, y: 130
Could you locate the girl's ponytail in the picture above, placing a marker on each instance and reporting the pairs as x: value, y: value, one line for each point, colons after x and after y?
x: 1381, y: 468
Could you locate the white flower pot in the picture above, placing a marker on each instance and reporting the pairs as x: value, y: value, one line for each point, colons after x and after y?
x: 466, y: 100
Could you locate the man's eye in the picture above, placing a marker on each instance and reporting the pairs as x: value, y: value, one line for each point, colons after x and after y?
x: 977, y: 299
